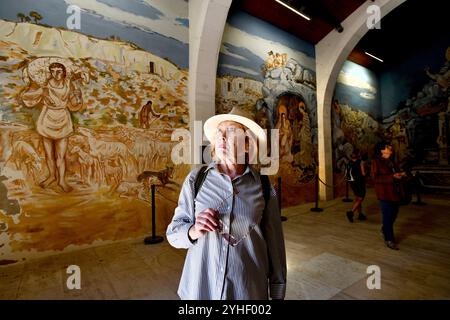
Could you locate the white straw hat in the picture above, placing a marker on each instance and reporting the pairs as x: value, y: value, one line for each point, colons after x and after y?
x: 238, y: 115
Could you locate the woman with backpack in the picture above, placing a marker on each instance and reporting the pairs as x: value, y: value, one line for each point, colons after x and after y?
x: 228, y: 219
x: 356, y: 175
x: 386, y: 176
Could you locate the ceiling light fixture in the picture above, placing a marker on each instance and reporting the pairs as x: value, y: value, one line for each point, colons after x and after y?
x: 371, y: 55
x: 292, y: 9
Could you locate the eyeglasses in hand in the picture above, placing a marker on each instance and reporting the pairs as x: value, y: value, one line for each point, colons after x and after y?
x: 232, y: 240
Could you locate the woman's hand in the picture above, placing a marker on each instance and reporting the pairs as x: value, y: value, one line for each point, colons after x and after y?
x: 206, y: 221
x: 399, y: 175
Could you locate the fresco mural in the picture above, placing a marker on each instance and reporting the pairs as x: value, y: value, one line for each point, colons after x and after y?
x: 355, y: 113
x: 355, y: 117
x: 85, y: 121
x: 272, y: 74
x: 417, y: 115
x: 412, y: 113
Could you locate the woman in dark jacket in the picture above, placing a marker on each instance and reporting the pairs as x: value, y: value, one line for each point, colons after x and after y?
x: 385, y: 173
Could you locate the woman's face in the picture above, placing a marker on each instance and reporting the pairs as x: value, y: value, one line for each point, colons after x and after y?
x: 387, y: 152
x: 231, y: 143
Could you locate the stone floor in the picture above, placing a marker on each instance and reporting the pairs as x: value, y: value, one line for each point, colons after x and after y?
x: 327, y: 259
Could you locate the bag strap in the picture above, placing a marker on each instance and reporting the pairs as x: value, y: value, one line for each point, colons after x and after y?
x: 265, y: 182
x: 201, y: 176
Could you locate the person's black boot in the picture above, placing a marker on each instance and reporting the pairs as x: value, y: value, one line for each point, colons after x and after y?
x: 350, y: 216
x: 362, y: 216
x: 392, y: 245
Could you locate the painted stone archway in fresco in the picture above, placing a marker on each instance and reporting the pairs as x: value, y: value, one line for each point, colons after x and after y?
x: 289, y: 105
x: 294, y: 79
x: 293, y: 122
x: 296, y: 149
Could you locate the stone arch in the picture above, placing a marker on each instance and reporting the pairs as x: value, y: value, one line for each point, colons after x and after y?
x: 331, y: 53
x: 274, y: 88
x: 284, y: 94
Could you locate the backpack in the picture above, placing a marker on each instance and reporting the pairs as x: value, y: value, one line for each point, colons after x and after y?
x: 353, y: 170
x: 349, y: 175
x: 201, y: 176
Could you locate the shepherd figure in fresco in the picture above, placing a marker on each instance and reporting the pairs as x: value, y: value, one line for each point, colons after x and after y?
x: 51, y: 83
x: 147, y: 115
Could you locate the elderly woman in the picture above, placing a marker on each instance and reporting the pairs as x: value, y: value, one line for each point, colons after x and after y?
x: 233, y: 234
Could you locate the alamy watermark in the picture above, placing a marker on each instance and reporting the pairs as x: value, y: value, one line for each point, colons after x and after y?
x: 74, y: 280
x: 374, y: 279
x: 374, y: 19
x: 74, y: 20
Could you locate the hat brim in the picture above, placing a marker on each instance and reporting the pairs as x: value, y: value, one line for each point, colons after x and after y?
x: 210, y: 126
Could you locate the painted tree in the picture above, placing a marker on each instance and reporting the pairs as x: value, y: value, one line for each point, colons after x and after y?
x: 21, y: 16
x: 36, y: 16
x: 27, y: 19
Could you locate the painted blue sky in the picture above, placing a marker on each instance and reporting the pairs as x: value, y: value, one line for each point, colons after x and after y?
x: 358, y: 87
x: 247, y: 40
x: 264, y: 30
x: 135, y: 6
x: 160, y: 27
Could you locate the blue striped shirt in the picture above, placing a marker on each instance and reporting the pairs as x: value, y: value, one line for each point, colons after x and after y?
x: 214, y: 269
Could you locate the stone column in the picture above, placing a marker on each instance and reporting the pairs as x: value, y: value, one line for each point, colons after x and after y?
x: 207, y: 20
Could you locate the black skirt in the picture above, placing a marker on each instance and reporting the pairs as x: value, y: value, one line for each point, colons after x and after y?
x: 359, y: 188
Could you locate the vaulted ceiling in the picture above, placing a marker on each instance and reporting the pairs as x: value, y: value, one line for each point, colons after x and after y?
x: 325, y: 15
x: 413, y: 25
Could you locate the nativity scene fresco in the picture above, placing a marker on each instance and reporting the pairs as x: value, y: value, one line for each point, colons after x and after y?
x: 276, y: 82
x: 85, y: 127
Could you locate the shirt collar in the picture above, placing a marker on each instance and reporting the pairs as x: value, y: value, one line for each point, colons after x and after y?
x: 249, y: 168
